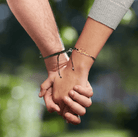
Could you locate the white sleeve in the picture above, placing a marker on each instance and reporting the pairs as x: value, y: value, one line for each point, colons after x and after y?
x: 109, y: 12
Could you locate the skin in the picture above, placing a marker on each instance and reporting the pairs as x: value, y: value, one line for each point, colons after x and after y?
x: 79, y: 98
x: 92, y: 39
x: 40, y: 24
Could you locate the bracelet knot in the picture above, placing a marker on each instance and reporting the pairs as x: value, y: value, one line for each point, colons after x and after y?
x: 81, y: 51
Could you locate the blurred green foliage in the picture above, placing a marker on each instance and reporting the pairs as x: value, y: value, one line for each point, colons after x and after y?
x: 98, y: 133
x: 18, y: 108
x: 2, y: 1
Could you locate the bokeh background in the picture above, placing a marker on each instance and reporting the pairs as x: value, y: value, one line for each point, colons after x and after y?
x: 114, y: 78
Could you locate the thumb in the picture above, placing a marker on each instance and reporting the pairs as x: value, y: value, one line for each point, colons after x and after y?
x: 45, y: 86
x: 50, y: 104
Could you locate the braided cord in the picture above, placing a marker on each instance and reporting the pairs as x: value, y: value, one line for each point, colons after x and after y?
x: 81, y: 51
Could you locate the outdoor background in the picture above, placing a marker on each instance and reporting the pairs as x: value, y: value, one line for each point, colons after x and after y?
x: 114, y: 78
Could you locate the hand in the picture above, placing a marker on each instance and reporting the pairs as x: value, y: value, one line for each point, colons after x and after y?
x: 47, y: 85
x: 79, y: 97
x: 62, y: 86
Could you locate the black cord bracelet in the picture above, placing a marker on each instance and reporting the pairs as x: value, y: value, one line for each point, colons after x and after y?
x: 81, y: 51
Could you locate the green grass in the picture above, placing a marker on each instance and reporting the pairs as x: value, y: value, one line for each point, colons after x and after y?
x: 98, y: 133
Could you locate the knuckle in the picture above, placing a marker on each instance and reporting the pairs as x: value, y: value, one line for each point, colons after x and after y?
x: 79, y: 87
x: 67, y: 100
x: 73, y: 94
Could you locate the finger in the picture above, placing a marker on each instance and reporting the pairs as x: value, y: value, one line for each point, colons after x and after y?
x: 44, y: 87
x: 81, y: 99
x: 74, y: 106
x: 70, y: 116
x: 86, y: 91
x: 73, y: 119
x: 50, y: 105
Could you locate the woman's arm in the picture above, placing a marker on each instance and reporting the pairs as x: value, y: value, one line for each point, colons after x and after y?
x: 104, y: 17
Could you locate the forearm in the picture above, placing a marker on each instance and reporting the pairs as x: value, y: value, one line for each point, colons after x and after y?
x: 37, y: 19
x: 104, y: 17
x: 92, y: 39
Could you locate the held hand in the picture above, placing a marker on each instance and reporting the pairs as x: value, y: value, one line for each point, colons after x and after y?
x: 50, y: 104
x: 79, y: 99
x: 62, y: 86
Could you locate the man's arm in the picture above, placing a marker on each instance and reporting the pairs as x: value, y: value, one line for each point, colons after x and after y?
x: 37, y: 19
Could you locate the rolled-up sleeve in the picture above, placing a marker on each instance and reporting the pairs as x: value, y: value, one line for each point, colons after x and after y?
x: 109, y: 12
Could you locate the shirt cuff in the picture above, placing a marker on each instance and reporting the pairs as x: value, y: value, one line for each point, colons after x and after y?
x: 109, y: 12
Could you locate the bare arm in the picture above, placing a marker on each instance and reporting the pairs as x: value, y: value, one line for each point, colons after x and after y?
x: 92, y: 39
x: 37, y: 19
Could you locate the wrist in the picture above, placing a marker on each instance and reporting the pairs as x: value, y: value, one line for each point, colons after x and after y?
x: 52, y: 63
x: 82, y: 63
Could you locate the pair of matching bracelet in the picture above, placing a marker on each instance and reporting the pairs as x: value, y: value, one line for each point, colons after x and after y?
x: 81, y: 51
